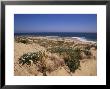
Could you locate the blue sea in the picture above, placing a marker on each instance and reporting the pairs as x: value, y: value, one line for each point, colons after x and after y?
x: 85, y: 36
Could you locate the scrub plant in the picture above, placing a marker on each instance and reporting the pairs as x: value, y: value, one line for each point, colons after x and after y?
x: 30, y: 57
x: 72, y: 58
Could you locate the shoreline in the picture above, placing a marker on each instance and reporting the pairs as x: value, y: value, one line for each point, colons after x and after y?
x: 81, y: 39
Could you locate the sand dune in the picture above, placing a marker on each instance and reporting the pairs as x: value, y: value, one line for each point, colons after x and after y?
x: 88, y: 66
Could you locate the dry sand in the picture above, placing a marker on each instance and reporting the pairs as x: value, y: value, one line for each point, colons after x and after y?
x: 88, y: 66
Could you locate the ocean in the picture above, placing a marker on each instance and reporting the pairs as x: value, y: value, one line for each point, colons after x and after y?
x: 84, y: 36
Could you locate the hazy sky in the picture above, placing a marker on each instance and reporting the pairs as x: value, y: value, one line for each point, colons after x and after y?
x: 25, y: 23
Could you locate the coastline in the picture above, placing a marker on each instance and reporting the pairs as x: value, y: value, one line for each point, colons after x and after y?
x: 82, y: 39
x: 79, y: 35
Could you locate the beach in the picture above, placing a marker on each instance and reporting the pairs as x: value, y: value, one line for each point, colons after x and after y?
x: 54, y: 62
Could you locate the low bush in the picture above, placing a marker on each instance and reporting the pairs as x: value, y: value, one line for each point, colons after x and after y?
x: 30, y: 57
x: 73, y: 64
x: 25, y: 41
x: 22, y: 40
x: 73, y: 55
x: 73, y: 59
x: 88, y: 47
x: 87, y: 53
x: 34, y: 57
x: 56, y: 49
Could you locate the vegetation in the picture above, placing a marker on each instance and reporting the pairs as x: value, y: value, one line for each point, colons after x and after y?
x: 57, y: 49
x: 22, y: 40
x: 72, y: 58
x: 94, y: 45
x: 42, y: 67
x: 71, y: 54
x: 87, y: 52
x: 88, y: 47
x: 73, y: 64
x: 34, y: 57
x: 30, y: 57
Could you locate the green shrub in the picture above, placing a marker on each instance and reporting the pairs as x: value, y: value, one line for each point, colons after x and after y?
x: 73, y: 58
x: 87, y: 53
x: 60, y: 43
x: 68, y: 50
x: 88, y: 47
x: 30, y: 57
x: 34, y: 57
x: 73, y: 55
x: 22, y: 40
x: 73, y: 64
x: 56, y: 49
x: 44, y: 44
x: 25, y: 41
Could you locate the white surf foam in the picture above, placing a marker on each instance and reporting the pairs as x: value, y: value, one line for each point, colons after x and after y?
x: 83, y: 39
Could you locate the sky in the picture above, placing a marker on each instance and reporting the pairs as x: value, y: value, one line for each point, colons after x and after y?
x: 29, y: 23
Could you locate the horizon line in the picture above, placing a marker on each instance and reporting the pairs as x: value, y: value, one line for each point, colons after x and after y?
x: 55, y: 32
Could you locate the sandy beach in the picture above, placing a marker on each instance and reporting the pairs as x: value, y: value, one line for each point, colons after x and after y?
x: 54, y: 62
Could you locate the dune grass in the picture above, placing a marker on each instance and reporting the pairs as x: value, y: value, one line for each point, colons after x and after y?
x: 69, y: 52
